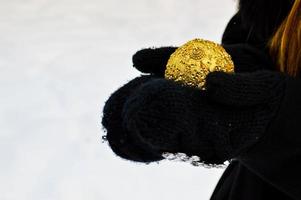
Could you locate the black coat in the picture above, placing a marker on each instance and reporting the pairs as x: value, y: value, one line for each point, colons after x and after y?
x: 272, y: 168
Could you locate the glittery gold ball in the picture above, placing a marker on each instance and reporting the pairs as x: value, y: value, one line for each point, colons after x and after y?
x: 191, y: 63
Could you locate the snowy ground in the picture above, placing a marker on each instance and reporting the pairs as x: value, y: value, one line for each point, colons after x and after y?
x: 59, y: 62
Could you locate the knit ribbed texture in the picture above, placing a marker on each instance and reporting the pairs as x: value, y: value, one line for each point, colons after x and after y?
x: 254, y: 98
x: 244, y: 89
x: 165, y: 117
x: 216, y: 124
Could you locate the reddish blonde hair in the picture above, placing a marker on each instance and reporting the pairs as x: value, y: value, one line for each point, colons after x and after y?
x: 285, y: 45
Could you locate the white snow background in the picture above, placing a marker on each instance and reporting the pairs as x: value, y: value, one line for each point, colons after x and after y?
x: 59, y: 62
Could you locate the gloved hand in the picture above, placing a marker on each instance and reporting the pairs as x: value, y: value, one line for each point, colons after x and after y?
x: 116, y: 135
x: 246, y: 58
x: 217, y: 124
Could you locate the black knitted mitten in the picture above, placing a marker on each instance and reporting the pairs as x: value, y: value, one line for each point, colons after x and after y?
x: 246, y: 58
x: 153, y: 60
x: 217, y: 124
x: 117, y: 136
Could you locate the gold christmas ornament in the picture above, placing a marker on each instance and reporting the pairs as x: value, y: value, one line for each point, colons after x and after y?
x: 191, y: 63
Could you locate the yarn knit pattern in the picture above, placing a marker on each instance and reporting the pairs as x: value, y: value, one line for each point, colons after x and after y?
x: 216, y: 125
